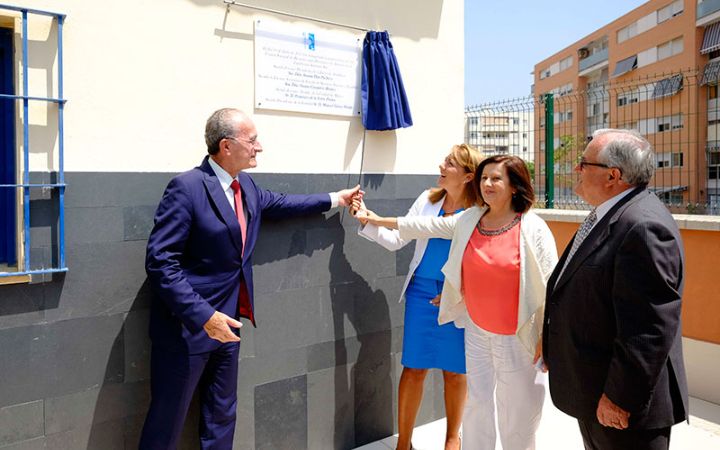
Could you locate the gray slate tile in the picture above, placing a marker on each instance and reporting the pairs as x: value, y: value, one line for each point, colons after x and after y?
x: 21, y: 422
x: 281, y: 414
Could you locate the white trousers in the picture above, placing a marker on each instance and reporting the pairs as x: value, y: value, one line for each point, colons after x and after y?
x: 500, y: 371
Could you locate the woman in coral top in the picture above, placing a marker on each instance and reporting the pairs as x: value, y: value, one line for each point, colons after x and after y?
x: 501, y: 257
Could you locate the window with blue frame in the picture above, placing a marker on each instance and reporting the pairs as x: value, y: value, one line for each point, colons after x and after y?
x: 15, y: 184
x: 8, y: 194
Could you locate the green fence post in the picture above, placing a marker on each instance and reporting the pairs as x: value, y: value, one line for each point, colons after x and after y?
x: 548, y: 103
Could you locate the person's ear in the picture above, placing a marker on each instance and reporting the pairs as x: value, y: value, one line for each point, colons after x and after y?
x: 224, y: 145
x: 614, y: 175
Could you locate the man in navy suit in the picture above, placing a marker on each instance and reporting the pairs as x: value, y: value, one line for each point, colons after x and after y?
x: 199, y: 263
x: 612, y: 338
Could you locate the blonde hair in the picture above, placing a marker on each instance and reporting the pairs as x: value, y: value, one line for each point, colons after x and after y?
x: 467, y: 158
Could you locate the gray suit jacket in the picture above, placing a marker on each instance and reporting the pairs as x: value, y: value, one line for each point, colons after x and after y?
x: 612, y: 321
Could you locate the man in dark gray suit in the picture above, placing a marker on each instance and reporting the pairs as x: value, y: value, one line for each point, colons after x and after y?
x: 611, y: 336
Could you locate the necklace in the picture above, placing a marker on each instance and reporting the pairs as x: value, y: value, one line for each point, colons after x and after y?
x: 443, y: 213
x: 500, y: 230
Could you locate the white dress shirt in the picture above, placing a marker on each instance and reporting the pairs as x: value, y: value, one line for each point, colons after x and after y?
x: 604, y: 207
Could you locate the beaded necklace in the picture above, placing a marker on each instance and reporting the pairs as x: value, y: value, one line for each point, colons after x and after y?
x: 500, y: 230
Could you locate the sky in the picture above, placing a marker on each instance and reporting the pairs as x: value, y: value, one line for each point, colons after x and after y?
x: 505, y: 39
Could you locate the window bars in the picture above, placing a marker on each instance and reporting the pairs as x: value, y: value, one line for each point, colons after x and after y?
x: 24, y: 266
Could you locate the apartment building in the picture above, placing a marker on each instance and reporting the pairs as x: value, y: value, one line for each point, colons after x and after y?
x: 655, y: 69
x: 497, y: 132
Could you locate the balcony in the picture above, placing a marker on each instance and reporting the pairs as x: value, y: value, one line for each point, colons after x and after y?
x: 705, y: 9
x: 593, y: 60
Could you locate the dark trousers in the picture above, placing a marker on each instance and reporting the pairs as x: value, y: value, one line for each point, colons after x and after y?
x: 598, y: 437
x: 174, y: 378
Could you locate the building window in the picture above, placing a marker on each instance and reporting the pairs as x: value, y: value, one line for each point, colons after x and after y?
x: 565, y: 89
x: 673, y: 9
x: 668, y: 123
x: 670, y: 48
x: 566, y: 63
x: 16, y: 239
x: 677, y: 159
x: 669, y: 159
x: 672, y: 198
x: 628, y: 98
x: 627, y: 32
x: 8, y: 176
x: 714, y: 158
x: 563, y: 116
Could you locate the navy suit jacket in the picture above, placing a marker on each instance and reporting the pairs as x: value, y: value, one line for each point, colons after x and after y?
x: 195, y: 262
x: 612, y: 319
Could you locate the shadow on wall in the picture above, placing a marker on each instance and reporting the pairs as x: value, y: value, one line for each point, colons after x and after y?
x: 32, y: 298
x: 370, y: 384
x: 370, y: 14
x: 43, y: 130
x: 363, y: 397
x: 125, y: 394
x: 363, y: 384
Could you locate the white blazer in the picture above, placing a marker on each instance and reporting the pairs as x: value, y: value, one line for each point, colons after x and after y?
x: 391, y: 240
x: 538, y: 256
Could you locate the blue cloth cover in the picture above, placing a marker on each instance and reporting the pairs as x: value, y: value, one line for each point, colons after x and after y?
x: 384, y: 103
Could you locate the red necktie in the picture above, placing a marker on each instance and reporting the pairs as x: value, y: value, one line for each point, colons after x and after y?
x: 244, y: 308
x: 239, y: 212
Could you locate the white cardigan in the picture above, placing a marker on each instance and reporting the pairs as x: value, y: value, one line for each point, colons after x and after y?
x: 538, y: 256
x: 391, y: 240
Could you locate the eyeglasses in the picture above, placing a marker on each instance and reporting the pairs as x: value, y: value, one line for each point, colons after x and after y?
x: 584, y: 163
x: 252, y: 141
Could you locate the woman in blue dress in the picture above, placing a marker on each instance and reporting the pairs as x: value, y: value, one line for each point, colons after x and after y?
x: 427, y: 345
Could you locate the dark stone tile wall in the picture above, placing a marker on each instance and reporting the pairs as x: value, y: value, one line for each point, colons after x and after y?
x: 319, y: 372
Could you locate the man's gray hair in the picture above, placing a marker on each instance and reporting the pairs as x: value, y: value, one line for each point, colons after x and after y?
x: 220, y: 125
x: 630, y: 152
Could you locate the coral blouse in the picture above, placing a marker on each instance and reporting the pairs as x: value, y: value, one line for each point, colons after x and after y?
x: 491, y: 280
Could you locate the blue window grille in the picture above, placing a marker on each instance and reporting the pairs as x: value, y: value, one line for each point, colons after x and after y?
x: 8, y: 190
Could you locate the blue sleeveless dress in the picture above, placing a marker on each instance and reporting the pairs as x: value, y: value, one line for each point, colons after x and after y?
x: 427, y: 345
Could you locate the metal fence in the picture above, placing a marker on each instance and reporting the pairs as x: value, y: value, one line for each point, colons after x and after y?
x: 677, y: 112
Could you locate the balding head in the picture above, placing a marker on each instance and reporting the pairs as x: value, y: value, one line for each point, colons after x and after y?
x: 628, y: 151
x: 221, y: 124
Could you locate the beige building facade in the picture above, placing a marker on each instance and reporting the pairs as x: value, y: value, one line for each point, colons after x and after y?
x: 656, y: 70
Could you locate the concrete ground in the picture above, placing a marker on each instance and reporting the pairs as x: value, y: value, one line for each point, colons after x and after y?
x: 559, y: 431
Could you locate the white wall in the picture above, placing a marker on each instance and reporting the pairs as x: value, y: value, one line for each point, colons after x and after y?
x: 702, y: 364
x: 142, y: 77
